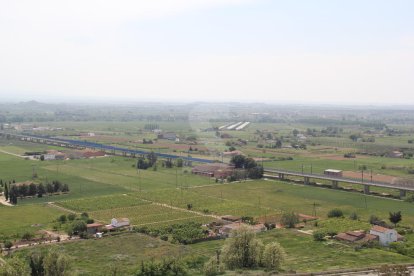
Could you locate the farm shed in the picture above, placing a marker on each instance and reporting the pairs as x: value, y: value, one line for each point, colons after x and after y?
x: 217, y: 170
x: 356, y: 236
x: 93, y: 228
x: 331, y: 172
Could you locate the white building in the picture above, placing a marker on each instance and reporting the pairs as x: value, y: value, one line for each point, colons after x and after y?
x: 119, y: 222
x: 385, y: 235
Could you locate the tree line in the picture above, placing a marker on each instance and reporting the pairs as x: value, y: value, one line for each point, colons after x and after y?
x: 13, y: 191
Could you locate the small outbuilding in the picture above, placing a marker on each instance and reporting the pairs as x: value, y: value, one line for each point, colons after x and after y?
x: 332, y: 172
x: 93, y: 228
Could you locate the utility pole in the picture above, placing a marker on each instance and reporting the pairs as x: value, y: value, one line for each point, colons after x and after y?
x: 371, y: 175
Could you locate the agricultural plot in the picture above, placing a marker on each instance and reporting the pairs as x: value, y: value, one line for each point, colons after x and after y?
x: 148, y: 214
x: 287, y: 197
x: 101, y: 203
x: 208, y: 203
x: 20, y: 219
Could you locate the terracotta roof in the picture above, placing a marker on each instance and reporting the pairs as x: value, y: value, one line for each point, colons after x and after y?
x: 357, y: 234
x: 346, y: 237
x: 94, y: 225
x: 380, y: 229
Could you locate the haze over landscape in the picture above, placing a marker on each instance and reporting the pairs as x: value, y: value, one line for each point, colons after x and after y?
x: 206, y: 137
x: 353, y: 52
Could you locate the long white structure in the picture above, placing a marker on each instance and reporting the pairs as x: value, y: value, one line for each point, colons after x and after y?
x: 234, y: 126
x: 241, y: 127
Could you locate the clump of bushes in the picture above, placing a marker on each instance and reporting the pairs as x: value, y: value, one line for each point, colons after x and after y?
x: 335, y: 213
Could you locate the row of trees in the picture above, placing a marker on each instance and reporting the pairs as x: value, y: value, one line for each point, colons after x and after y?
x: 14, y: 191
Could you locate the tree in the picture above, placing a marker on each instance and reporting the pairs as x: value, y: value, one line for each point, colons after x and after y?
x: 57, y: 186
x: 41, y: 190
x: 278, y: 144
x: 71, y: 217
x: 142, y: 164
x: 238, y: 161
x: 213, y: 266
x: 49, y: 188
x: 36, y: 263
x: 395, y: 217
x: 289, y: 220
x: 56, y: 263
x: 243, y: 250
x: 13, y: 194
x: 152, y: 158
x: 179, y: 162
x: 32, y: 189
x: 249, y: 163
x: 273, y: 256
x: 42, y: 157
x: 78, y: 226
x: 15, y: 267
x: 65, y: 188
x: 6, y: 191
x: 23, y: 190
x: 295, y: 132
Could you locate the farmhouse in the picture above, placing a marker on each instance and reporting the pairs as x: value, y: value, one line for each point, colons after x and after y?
x: 217, y: 170
x: 172, y: 136
x: 119, y: 222
x: 93, y: 228
x: 385, y: 235
x: 377, y: 233
x: 331, y: 172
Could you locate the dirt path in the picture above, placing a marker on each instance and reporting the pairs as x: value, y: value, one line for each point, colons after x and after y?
x: 10, y: 153
x: 170, y: 220
x: 186, y: 210
x: 4, y: 202
x: 53, y: 205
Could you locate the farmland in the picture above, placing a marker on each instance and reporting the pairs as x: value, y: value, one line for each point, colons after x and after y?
x: 164, y: 195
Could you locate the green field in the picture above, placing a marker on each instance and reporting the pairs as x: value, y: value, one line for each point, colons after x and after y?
x: 112, y: 187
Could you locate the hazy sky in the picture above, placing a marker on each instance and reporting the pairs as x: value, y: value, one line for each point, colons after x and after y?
x: 305, y: 51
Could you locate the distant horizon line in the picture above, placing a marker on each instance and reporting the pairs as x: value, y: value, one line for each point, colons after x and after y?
x: 224, y: 102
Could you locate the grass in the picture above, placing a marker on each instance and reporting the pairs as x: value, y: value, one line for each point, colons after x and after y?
x: 97, y: 257
x: 17, y: 220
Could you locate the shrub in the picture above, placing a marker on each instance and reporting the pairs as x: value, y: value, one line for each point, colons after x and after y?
x: 354, y: 216
x: 273, y: 256
x: 319, y: 235
x: 244, y: 250
x: 335, y: 213
x: 213, y: 267
x: 289, y: 220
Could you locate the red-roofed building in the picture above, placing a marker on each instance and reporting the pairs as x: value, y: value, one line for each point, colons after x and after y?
x: 385, y: 235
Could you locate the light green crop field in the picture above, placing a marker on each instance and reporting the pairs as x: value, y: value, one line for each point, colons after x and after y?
x: 112, y: 187
x: 17, y: 220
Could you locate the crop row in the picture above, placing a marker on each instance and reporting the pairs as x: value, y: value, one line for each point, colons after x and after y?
x: 102, y: 203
